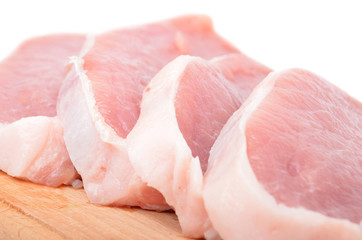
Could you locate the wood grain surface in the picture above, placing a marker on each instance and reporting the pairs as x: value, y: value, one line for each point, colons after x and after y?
x: 31, y: 211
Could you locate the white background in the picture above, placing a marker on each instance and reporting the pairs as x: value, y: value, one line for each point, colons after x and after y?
x: 322, y: 36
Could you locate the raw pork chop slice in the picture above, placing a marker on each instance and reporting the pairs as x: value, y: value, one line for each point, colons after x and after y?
x: 288, y: 163
x: 31, y: 136
x: 183, y: 110
x: 99, y: 102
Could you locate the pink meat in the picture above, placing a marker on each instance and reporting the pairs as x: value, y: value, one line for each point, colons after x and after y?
x: 31, y: 137
x: 182, y: 112
x: 121, y: 63
x: 102, y: 97
x: 293, y: 170
x: 215, y: 95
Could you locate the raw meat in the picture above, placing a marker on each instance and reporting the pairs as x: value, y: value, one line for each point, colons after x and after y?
x: 31, y: 136
x: 99, y: 102
x: 288, y: 164
x: 182, y: 112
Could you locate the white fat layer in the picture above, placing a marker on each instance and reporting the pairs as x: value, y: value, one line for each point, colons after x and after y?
x: 107, y: 133
x: 88, y: 44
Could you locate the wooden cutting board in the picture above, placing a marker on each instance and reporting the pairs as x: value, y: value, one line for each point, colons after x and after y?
x: 30, y: 211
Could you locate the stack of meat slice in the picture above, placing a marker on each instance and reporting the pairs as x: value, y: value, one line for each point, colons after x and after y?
x: 31, y: 136
x: 100, y: 100
x: 142, y: 109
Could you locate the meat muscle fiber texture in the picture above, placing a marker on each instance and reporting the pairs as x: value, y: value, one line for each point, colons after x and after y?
x: 31, y: 136
x: 183, y: 109
x: 288, y: 163
x: 99, y: 102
